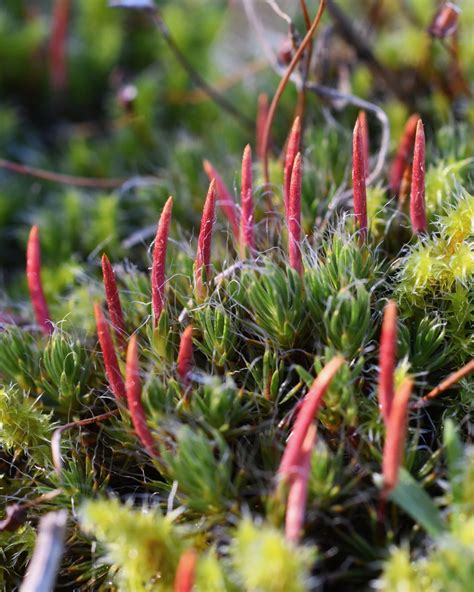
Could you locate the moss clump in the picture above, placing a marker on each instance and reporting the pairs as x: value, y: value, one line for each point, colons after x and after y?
x: 141, y: 545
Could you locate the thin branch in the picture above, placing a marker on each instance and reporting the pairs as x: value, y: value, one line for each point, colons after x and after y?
x: 56, y: 438
x: 23, y: 169
x: 196, y: 77
x: 148, y: 7
x: 281, y: 87
x: 249, y: 8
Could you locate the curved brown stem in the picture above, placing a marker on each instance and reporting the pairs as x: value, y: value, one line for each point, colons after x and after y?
x: 56, y: 439
x: 282, y: 86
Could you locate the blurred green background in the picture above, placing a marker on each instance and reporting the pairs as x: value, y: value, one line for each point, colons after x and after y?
x: 88, y: 125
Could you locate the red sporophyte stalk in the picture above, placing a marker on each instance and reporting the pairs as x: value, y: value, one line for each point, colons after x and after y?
x: 306, y: 414
x: 364, y: 127
x: 387, y: 359
x: 202, y: 262
x: 186, y: 571
x: 294, y: 217
x: 57, y: 45
x: 226, y: 200
x: 417, y: 195
x: 185, y: 356
x: 35, y: 286
x: 395, y: 437
x: 292, y: 149
x: 401, y: 160
x: 247, y: 220
x: 113, y: 301
x: 133, y: 389
x: 359, y: 168
x: 298, y: 493
x: 158, y: 267
x: 112, y: 369
x: 262, y: 114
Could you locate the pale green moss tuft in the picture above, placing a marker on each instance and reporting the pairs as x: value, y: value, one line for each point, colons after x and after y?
x: 266, y: 562
x: 24, y: 427
x: 141, y: 544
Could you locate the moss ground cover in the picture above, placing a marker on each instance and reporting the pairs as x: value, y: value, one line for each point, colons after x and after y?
x: 236, y: 307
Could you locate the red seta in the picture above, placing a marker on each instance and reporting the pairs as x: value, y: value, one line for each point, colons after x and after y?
x: 112, y: 370
x: 133, y: 389
x: 359, y: 168
x: 396, y: 436
x: 247, y: 218
x: 417, y: 195
x: 292, y: 149
x: 294, y: 217
x: 387, y: 359
x: 185, y: 356
x: 113, y: 302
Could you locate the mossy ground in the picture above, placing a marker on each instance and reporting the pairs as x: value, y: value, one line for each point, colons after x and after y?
x: 262, y: 333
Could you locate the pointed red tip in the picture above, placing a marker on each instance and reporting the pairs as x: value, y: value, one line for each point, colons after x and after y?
x: 203, y: 254
x: 294, y: 216
x: 292, y: 149
x: 246, y: 170
x: 247, y: 218
x: 35, y: 286
x: 207, y: 166
x: 358, y: 179
x: 158, y: 268
x: 113, y: 301
x: 417, y: 195
x: 185, y: 356
x: 112, y: 370
x: 364, y: 127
